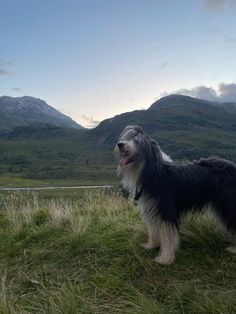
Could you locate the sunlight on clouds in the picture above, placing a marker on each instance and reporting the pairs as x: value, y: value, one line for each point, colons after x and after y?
x: 89, y: 122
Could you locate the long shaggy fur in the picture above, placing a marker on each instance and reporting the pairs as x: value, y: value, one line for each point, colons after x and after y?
x: 165, y: 190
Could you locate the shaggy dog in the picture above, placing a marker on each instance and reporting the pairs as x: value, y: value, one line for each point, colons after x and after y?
x: 165, y: 190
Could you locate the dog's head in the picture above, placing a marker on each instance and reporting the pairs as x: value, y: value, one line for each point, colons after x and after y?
x: 140, y: 158
x: 127, y: 148
x: 134, y: 148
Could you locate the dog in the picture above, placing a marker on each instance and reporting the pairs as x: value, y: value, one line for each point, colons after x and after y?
x: 165, y: 190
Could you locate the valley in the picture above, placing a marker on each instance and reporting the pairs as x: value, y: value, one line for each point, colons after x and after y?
x: 186, y: 128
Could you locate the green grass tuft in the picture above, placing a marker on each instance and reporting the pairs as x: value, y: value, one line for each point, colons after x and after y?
x: 82, y: 255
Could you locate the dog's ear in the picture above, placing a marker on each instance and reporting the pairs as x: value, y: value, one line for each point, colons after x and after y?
x: 153, y: 161
x: 156, y: 156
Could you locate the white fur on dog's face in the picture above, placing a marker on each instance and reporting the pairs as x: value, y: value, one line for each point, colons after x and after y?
x: 130, y: 151
x: 127, y: 147
x: 128, y: 167
x: 127, y: 153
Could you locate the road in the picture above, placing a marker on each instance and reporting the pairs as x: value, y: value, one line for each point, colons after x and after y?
x: 55, y: 187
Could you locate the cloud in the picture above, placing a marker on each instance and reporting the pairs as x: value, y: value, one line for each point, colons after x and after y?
x: 16, y: 89
x: 3, y: 72
x: 223, y: 93
x: 4, y: 64
x: 227, y: 92
x: 231, y: 40
x: 203, y: 92
x: 163, y: 65
x: 90, y: 122
x: 218, y: 5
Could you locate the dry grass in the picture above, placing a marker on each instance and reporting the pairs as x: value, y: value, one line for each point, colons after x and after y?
x: 83, y: 256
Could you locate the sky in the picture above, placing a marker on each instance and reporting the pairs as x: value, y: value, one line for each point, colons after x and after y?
x: 93, y: 59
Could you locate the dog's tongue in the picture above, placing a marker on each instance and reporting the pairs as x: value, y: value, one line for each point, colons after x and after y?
x: 123, y: 161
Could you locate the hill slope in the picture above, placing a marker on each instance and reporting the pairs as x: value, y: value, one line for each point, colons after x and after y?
x: 22, y: 111
x: 176, y: 99
x: 184, y: 126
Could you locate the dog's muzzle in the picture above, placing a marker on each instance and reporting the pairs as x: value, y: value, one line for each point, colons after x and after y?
x: 125, y: 155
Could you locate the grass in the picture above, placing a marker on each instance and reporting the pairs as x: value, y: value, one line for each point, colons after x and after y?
x: 67, y: 156
x: 80, y: 254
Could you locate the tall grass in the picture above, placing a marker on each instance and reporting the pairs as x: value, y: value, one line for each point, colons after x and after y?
x: 83, y: 256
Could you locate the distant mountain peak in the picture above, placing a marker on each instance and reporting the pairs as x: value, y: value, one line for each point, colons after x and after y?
x: 176, y: 99
x: 27, y: 110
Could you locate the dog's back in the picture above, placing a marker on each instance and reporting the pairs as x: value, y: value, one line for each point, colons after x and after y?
x: 218, y: 164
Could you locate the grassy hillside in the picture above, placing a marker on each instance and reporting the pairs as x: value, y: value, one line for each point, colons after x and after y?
x: 81, y: 254
x: 183, y: 131
x: 185, y: 128
x: 55, y: 154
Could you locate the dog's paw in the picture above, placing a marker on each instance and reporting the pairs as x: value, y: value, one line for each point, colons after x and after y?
x: 149, y: 246
x: 231, y: 249
x: 163, y: 260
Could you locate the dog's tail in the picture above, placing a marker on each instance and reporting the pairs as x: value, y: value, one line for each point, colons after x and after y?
x: 218, y: 164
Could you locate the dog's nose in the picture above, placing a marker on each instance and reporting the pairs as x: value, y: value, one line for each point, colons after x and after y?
x: 121, y: 145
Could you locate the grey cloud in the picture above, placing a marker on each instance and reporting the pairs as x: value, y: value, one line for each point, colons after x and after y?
x: 203, y: 92
x: 16, y: 89
x: 163, y: 65
x: 90, y: 122
x: 4, y: 64
x: 218, y: 5
x: 227, y: 92
x: 214, y: 5
x: 231, y: 40
x: 3, y: 72
x: 224, y: 92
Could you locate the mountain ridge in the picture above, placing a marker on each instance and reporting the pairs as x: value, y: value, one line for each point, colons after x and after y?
x: 27, y: 110
x: 178, y: 99
x: 175, y: 112
x: 183, y: 130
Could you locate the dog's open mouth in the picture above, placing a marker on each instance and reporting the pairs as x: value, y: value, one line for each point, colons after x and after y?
x: 125, y: 158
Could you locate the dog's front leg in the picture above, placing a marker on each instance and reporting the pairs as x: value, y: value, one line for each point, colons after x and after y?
x: 169, y: 243
x: 153, y: 236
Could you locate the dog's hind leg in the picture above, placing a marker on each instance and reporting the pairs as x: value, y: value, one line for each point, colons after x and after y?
x: 169, y: 243
x: 232, y: 247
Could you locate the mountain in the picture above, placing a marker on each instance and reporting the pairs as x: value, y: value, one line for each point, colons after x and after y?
x: 24, y: 111
x: 176, y: 99
x: 186, y: 127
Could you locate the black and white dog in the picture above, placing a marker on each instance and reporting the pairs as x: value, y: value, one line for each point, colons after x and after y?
x: 165, y: 190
